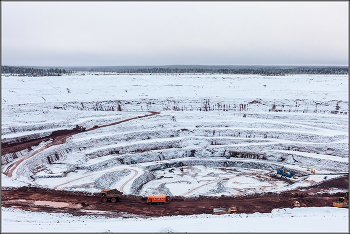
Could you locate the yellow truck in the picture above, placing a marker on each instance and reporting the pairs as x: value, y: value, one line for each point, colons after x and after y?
x: 342, y: 201
x: 110, y: 195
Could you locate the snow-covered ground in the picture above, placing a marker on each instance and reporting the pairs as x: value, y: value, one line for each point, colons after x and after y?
x: 19, y: 90
x: 304, y: 219
x: 215, y: 135
x: 252, y: 124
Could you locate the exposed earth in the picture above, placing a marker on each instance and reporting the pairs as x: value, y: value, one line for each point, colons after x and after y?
x: 201, y: 152
x: 80, y: 203
x: 57, y: 137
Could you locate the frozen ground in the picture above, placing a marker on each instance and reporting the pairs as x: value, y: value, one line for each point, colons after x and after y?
x: 64, y: 89
x: 312, y: 219
x: 215, y: 134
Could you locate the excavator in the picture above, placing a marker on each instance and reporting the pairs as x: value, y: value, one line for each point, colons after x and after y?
x: 342, y: 201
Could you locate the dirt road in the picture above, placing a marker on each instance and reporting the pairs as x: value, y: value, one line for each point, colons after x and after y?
x: 56, y: 141
x: 59, y: 137
x: 128, y: 181
x: 78, y: 203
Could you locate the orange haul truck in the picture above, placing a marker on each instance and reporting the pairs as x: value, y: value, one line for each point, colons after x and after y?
x: 156, y: 199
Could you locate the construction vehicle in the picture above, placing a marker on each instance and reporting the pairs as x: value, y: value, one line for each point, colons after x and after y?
x: 295, y: 204
x: 80, y: 128
x: 284, y: 172
x: 156, y: 199
x: 231, y: 210
x: 342, y: 201
x: 110, y: 195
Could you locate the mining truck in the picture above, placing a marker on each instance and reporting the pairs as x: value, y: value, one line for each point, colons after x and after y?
x: 342, y: 202
x: 110, y: 195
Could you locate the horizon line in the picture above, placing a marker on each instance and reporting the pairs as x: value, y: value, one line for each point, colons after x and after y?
x: 279, y: 65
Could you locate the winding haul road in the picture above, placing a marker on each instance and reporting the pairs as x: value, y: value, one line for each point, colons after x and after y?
x: 126, y: 182
x: 57, y: 140
x: 121, y: 189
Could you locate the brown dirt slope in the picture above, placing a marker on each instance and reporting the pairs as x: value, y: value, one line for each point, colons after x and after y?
x: 81, y: 203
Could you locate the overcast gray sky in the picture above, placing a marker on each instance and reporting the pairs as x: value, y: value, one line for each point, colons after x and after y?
x: 174, y: 33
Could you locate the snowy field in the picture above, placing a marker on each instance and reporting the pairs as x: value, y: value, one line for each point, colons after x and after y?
x: 312, y: 219
x: 215, y: 135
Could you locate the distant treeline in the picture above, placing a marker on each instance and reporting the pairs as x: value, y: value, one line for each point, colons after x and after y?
x: 260, y: 70
x: 33, y: 71
x: 269, y: 71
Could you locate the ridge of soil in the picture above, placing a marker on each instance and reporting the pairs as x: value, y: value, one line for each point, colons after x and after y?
x: 84, y: 203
